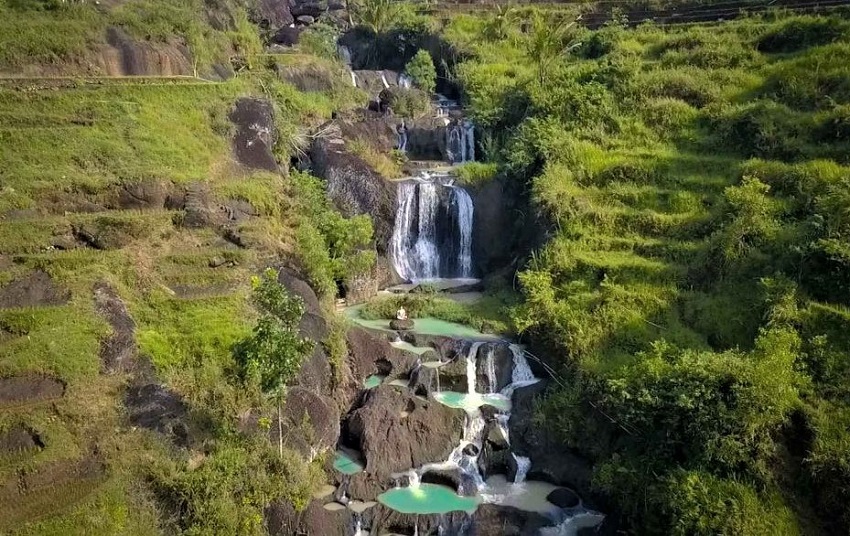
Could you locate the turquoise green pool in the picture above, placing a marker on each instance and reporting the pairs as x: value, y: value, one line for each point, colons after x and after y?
x: 472, y: 401
x: 347, y: 463
x: 373, y: 381
x: 427, y: 499
x: 425, y: 326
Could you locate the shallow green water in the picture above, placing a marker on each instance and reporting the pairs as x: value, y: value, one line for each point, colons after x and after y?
x: 427, y: 499
x: 425, y: 326
x: 373, y: 381
x: 407, y: 347
x: 347, y: 463
x: 472, y: 401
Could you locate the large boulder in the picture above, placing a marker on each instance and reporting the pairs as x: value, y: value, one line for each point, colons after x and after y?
x: 296, y: 284
x: 507, y: 521
x: 310, y: 422
x: 281, y: 519
x: 397, y: 431
x: 371, y: 353
x: 255, y: 133
x: 426, y: 139
x: 271, y: 14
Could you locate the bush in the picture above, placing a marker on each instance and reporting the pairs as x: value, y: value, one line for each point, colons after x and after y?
x: 421, y: 70
x: 413, y: 103
x: 475, y: 173
x: 762, y: 128
x: 797, y: 33
x: 319, y: 40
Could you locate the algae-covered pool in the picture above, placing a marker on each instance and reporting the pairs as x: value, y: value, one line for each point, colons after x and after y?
x: 373, y: 381
x: 472, y: 401
x: 347, y: 462
x: 424, y: 326
x: 427, y: 499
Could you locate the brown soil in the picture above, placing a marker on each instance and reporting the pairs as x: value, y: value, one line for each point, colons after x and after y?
x: 34, y: 290
x: 23, y: 390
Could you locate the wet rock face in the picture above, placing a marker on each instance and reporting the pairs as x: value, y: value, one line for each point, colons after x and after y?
x: 507, y: 521
x: 502, y: 358
x: 396, y: 431
x: 550, y: 459
x: 255, y: 133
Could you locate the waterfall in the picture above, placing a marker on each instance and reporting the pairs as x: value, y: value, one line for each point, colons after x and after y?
x: 384, y: 80
x: 460, y: 142
x: 405, y: 81
x: 521, y: 371
x: 523, y: 464
x: 432, y: 237
x: 491, y: 370
x: 471, y: 367
x: 353, y: 79
x: 344, y: 54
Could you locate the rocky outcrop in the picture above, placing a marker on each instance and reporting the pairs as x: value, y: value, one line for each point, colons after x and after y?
x: 310, y: 422
x: 502, y: 358
x: 126, y: 56
x: 281, y: 519
x: 551, y: 460
x: 272, y: 14
x: 158, y: 408
x: 255, y: 133
x: 507, y: 521
x: 397, y: 431
x: 36, y: 289
x: 372, y: 353
x: 118, y: 351
x: 353, y: 186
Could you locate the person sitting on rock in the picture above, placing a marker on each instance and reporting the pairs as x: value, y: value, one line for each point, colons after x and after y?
x: 401, y: 314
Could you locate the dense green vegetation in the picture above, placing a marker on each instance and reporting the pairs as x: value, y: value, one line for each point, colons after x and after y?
x: 694, y: 290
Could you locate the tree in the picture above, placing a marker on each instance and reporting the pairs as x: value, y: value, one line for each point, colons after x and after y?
x: 547, y: 42
x: 378, y: 15
x: 271, y: 356
x: 421, y: 70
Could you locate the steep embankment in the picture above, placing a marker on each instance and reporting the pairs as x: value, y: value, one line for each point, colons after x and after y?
x: 133, y: 212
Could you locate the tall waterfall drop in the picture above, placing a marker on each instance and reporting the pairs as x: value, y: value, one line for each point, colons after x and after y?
x: 460, y: 142
x: 432, y: 238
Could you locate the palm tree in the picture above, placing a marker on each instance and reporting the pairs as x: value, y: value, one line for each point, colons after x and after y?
x: 547, y: 42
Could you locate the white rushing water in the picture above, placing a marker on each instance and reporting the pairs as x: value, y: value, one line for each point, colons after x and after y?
x: 419, y: 233
x: 384, y: 80
x: 472, y: 367
x: 491, y: 370
x: 460, y: 142
x: 523, y: 464
x: 405, y: 81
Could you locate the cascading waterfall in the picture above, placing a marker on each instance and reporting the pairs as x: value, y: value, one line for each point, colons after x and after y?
x: 353, y: 78
x: 460, y: 142
x: 404, y: 81
x: 384, y: 80
x: 432, y: 237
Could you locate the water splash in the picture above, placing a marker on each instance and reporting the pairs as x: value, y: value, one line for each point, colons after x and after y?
x: 523, y: 464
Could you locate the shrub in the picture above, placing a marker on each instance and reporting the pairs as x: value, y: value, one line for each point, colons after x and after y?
x: 421, y: 70
x: 473, y: 173
x: 762, y: 128
x: 319, y: 40
x: 797, y: 33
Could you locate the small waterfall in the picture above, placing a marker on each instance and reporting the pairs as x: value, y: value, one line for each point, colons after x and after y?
x: 523, y: 464
x: 358, y: 525
x: 384, y: 80
x: 353, y: 78
x: 521, y: 372
x: 502, y: 422
x: 471, y: 367
x: 460, y: 142
x: 401, y: 131
x: 344, y: 54
x: 491, y: 370
x: 405, y: 81
x: 432, y: 237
